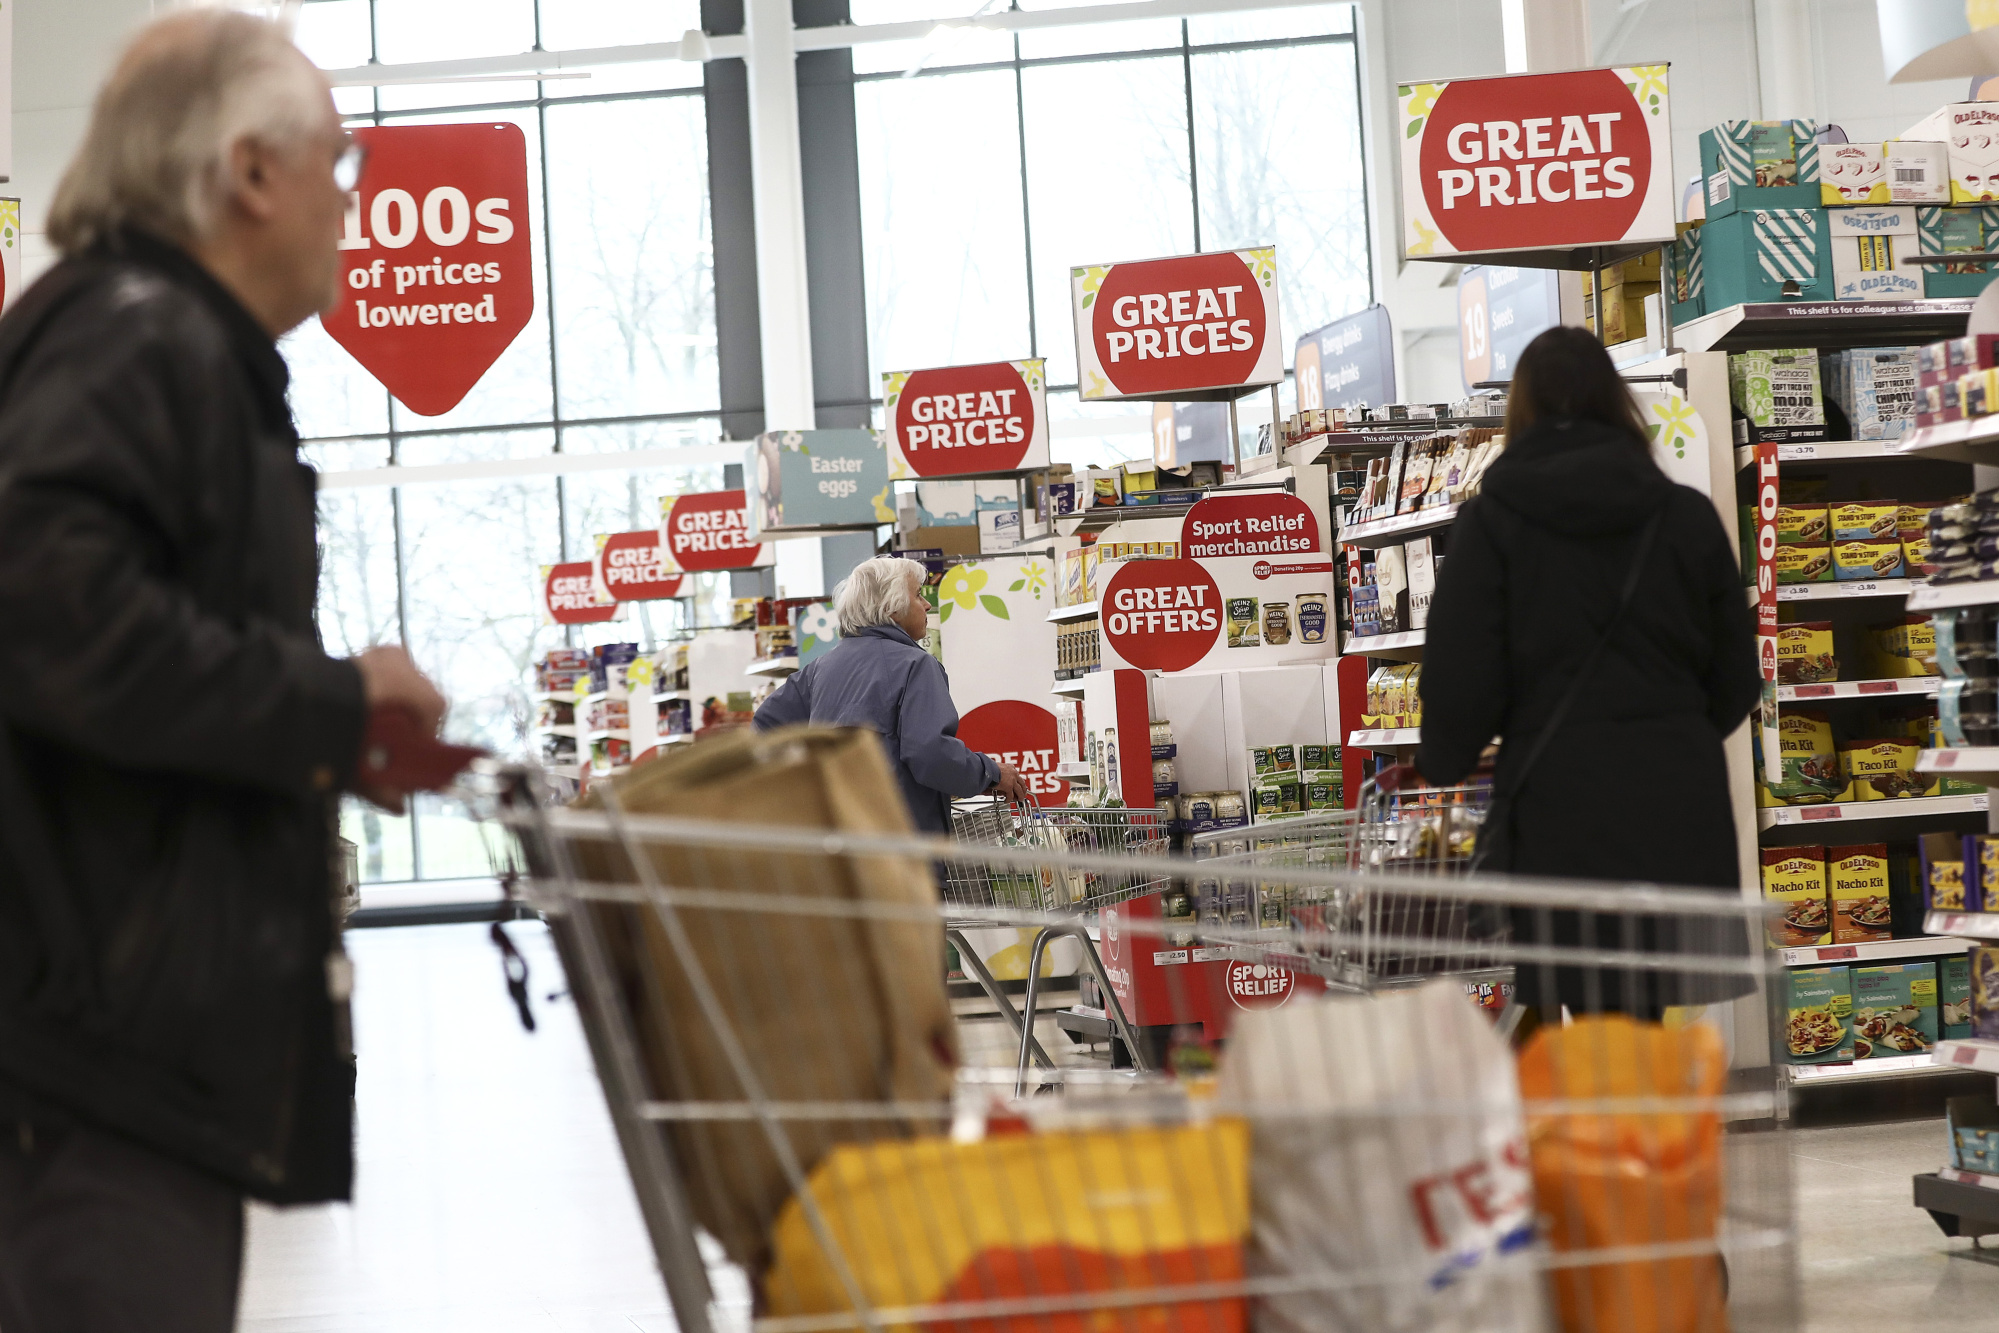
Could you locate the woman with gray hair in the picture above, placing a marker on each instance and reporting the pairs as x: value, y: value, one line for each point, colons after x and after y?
x: 878, y: 677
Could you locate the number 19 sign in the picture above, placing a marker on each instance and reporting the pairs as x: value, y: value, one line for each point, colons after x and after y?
x: 435, y: 277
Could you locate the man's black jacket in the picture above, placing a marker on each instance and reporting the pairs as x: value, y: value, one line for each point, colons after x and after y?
x: 171, y: 734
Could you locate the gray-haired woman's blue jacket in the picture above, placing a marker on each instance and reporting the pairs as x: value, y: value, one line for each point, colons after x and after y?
x: 879, y: 679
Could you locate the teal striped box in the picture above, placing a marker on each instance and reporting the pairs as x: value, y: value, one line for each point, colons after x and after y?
x: 1770, y: 254
x: 1760, y: 164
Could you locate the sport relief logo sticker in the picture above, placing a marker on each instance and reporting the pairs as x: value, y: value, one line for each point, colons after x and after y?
x: 1021, y: 734
x: 964, y: 420
x: 1161, y: 615
x: 1197, y: 321
x: 1258, y: 985
x: 436, y: 276
x: 707, y: 531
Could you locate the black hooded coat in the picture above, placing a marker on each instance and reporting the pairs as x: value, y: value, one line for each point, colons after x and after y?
x: 1633, y: 785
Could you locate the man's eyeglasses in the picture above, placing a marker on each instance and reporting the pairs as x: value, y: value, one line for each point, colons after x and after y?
x: 347, y: 167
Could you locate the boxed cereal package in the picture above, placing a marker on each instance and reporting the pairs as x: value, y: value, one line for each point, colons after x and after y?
x: 1795, y: 877
x: 1818, y: 1008
x: 1857, y: 879
x: 1894, y: 1010
x: 1954, y: 997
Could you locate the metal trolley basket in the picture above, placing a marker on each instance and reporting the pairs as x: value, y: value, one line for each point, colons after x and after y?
x: 1124, y: 1200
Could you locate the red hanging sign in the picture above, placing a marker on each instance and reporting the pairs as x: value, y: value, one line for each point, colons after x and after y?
x: 1274, y: 523
x: 964, y: 421
x: 1191, y: 327
x: 1161, y: 615
x: 1766, y: 604
x: 569, y: 595
x: 631, y: 567
x: 1021, y: 734
x: 436, y: 265
x: 708, y: 531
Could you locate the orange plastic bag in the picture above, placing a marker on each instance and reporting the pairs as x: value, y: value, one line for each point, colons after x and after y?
x: 1607, y: 1180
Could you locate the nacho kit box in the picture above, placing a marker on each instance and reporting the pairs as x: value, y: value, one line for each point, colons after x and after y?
x: 1857, y: 880
x: 1796, y: 877
x: 1894, y: 1010
x: 1818, y: 1012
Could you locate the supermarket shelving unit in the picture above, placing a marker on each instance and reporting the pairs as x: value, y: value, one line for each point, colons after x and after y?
x: 1911, y: 474
x: 1963, y: 1203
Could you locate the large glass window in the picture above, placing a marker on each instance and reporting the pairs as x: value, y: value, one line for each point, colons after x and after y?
x: 986, y: 156
x: 620, y: 355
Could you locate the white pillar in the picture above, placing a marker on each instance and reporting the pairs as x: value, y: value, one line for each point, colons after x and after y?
x: 1786, y: 68
x: 1557, y: 34
x: 783, y: 309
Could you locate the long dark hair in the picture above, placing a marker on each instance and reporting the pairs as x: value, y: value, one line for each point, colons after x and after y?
x: 1566, y: 375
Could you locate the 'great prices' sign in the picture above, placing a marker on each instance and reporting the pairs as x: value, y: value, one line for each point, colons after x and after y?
x: 1536, y: 162
x: 1198, y: 326
x: 1163, y: 615
x: 435, y: 258
x: 631, y: 567
x: 964, y: 421
x: 1021, y: 734
x: 1272, y: 524
x: 708, y: 531
x: 569, y: 595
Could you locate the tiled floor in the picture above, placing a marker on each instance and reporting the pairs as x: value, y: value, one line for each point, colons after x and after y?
x: 492, y: 1198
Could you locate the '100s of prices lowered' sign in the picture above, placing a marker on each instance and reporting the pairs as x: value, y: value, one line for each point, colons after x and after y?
x: 1536, y: 162
x: 962, y: 421
x: 1191, y: 328
x: 435, y: 277
x: 1163, y: 615
x: 708, y: 531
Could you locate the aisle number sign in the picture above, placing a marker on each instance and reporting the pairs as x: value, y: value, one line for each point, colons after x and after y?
x: 1188, y: 328
x: 631, y: 567
x: 709, y: 530
x: 570, y: 596
x: 1766, y: 604
x: 1536, y: 162
x: 435, y: 260
x: 966, y: 421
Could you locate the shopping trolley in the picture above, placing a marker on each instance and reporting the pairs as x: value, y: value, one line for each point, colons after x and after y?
x: 995, y: 821
x: 1122, y: 1201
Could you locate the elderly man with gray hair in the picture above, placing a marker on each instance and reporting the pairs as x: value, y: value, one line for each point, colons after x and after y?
x: 173, y: 739
x: 879, y: 678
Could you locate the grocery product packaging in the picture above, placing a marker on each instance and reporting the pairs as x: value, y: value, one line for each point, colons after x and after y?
x: 1974, y: 155
x: 1602, y: 1181
x: 1876, y: 388
x: 1422, y: 580
x: 1902, y: 648
x: 1857, y: 878
x: 1865, y: 521
x: 1918, y: 171
x: 1943, y: 231
x: 1894, y: 1010
x: 879, y: 1025
x: 1805, y: 653
x: 1856, y: 560
x: 1803, y: 525
x: 1954, y: 997
x: 1796, y: 877
x: 1687, y: 290
x: 1852, y: 174
x: 1777, y: 395
x: 1346, y: 1183
x: 1321, y: 794
x: 1883, y: 768
x: 1766, y: 255
x: 1318, y: 761
x: 1810, y: 763
x: 1944, y: 879
x: 1803, y: 563
x: 1984, y: 963
x: 1973, y: 1124
x: 1867, y: 248
x: 1760, y: 164
x: 932, y: 1221
x: 1818, y: 1011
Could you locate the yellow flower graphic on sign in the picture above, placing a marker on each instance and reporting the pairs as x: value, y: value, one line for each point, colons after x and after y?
x: 1093, y: 278
x: 1428, y: 239
x: 1263, y: 263
x: 1676, y: 424
x: 961, y: 588
x: 1422, y: 97
x: 1649, y: 85
x: 1033, y: 577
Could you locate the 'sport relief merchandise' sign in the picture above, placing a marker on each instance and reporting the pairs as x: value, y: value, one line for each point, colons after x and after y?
x: 708, y: 530
x: 569, y: 595
x: 1537, y: 165
x: 631, y: 567
x: 1274, y: 524
x: 1194, y: 328
x: 811, y: 481
x: 435, y: 259
x: 966, y: 421
x: 1348, y: 363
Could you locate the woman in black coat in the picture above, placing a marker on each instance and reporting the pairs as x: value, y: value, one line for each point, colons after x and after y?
x: 1631, y: 783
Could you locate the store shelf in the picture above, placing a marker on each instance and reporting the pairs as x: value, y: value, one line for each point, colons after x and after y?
x: 559, y: 729
x: 1080, y: 611
x: 1738, y: 328
x: 1851, y: 812
x: 1863, y: 1071
x: 1833, y: 592
x: 1967, y: 925
x: 672, y: 696
x: 1857, y: 689
x: 558, y: 696
x: 1399, y: 526
x: 571, y: 771
x: 1077, y: 770
x: 1826, y: 451
x: 1406, y: 646
x: 1098, y: 517
x: 1959, y: 1202
x: 772, y: 666
x: 1377, y: 436
x: 1973, y: 441
x: 677, y: 738
x: 1970, y: 1053
x: 1874, y: 951
x: 1069, y: 689
x: 609, y: 733
x: 1384, y: 738
x: 1943, y: 596
x: 1973, y: 763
